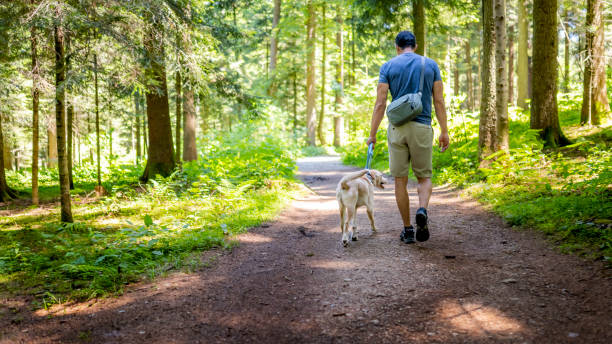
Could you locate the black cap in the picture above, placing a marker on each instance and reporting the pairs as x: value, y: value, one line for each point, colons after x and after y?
x: 405, y: 39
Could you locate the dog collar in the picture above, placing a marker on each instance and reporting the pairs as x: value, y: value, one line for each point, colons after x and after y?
x: 369, y: 177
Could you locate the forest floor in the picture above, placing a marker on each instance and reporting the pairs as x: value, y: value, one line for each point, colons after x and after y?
x: 476, y: 280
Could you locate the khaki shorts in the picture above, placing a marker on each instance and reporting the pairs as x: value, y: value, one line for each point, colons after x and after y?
x: 410, y: 143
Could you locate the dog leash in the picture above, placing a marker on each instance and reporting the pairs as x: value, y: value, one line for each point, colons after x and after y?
x: 369, y: 161
x: 370, y: 154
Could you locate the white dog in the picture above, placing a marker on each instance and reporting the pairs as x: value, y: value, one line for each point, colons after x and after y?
x: 353, y: 191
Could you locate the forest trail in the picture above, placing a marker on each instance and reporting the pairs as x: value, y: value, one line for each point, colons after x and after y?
x: 291, y: 281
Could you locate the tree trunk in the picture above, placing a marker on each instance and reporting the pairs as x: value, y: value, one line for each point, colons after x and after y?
x: 145, y: 133
x: 478, y: 84
x: 97, y: 109
x: 418, y: 23
x: 204, y: 115
x: 178, y: 85
x: 51, y: 143
x: 190, y: 152
x: 338, y: 119
x: 529, y: 77
x: 109, y: 130
x: 295, y: 115
x: 8, y: 155
x: 6, y: 193
x: 69, y: 142
x: 511, y: 38
x: 70, y: 118
x: 566, y: 52
x: 456, y: 87
x: 544, y: 114
x: 160, y: 152
x: 320, y: 124
x: 189, y: 131
x: 599, y: 102
x: 274, y: 46
x: 310, y: 74
x: 137, y: 115
x: 587, y: 91
x: 89, y: 134
x: 353, y: 38
x: 487, y: 126
x: 60, y: 120
x: 470, y: 84
x: 523, y: 59
x: 35, y: 100
x: 447, y: 60
x: 501, y: 90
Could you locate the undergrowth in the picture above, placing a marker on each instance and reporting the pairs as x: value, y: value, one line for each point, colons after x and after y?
x: 240, y: 180
x: 565, y: 192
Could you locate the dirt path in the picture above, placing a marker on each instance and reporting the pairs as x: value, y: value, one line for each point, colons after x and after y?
x: 474, y: 281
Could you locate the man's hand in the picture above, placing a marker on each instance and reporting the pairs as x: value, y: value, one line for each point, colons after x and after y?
x: 444, y: 141
x: 438, y: 95
x: 371, y: 140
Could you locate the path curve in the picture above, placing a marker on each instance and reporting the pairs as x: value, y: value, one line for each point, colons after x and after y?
x: 291, y: 281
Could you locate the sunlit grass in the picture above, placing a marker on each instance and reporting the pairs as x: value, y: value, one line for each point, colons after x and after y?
x: 143, y: 231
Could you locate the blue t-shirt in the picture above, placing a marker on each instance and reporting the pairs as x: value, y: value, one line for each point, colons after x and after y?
x: 402, y: 73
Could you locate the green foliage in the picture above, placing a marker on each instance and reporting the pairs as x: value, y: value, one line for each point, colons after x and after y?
x: 355, y: 152
x: 240, y: 180
x: 564, y: 193
x: 84, y: 178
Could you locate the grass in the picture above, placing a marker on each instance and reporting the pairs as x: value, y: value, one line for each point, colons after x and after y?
x: 142, y: 231
x: 565, y: 193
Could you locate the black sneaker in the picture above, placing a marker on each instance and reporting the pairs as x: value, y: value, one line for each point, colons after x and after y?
x: 422, y: 232
x: 407, y: 235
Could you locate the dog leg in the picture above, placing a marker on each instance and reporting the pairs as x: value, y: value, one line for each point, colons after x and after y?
x: 343, y: 225
x: 355, y: 235
x: 371, y: 217
x: 348, y: 235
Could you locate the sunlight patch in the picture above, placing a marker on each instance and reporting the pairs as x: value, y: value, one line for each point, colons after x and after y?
x: 478, y: 319
x: 253, y: 238
x: 334, y: 264
x: 317, y: 205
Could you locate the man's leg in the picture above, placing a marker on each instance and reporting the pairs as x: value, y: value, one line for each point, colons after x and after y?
x: 424, y: 189
x: 402, y: 200
x: 399, y: 165
x: 421, y: 150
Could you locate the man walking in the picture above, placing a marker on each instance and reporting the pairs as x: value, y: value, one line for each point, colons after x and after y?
x: 411, y: 143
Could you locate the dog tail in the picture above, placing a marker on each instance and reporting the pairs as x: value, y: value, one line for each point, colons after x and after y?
x: 349, y: 177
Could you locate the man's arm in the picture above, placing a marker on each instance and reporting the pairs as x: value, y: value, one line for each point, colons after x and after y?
x: 379, y: 110
x: 438, y: 96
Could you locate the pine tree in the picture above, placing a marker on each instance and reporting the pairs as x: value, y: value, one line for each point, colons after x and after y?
x: 339, y: 83
x: 544, y: 113
x: 60, y: 119
x: 320, y: 123
x: 487, y: 125
x: 418, y: 22
x: 501, y: 86
x: 160, y: 158
x: 523, y: 57
x: 35, y: 105
x: 311, y: 120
